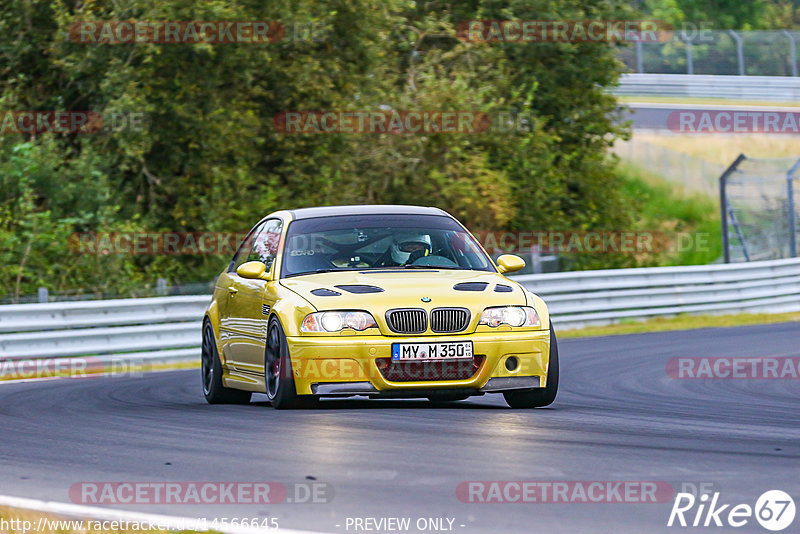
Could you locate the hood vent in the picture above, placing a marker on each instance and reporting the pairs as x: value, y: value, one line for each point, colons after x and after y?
x: 359, y: 288
x: 500, y: 288
x: 322, y: 292
x: 470, y: 286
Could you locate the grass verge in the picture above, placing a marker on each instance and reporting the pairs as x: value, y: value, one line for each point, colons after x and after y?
x: 723, y: 149
x: 681, y: 322
x: 663, y: 206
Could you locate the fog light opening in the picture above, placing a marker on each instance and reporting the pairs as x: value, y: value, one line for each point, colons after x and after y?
x: 512, y: 363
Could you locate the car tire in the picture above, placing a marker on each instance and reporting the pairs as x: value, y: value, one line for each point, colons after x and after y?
x: 278, y: 373
x: 211, y: 373
x: 539, y: 397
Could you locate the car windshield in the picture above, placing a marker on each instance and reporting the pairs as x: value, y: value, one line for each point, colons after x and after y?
x: 363, y: 242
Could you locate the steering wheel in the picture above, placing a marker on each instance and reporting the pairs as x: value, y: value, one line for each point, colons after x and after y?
x: 434, y: 261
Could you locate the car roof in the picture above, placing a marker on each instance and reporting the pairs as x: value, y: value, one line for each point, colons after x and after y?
x: 367, y: 209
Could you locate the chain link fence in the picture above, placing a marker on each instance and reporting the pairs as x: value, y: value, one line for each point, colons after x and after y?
x: 760, y: 196
x: 760, y: 209
x: 729, y: 52
x: 693, y: 174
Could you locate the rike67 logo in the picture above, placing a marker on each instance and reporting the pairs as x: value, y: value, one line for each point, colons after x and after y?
x: 774, y: 510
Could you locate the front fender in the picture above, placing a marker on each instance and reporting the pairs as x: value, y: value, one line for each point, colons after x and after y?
x: 212, y: 315
x: 290, y: 309
x: 540, y: 306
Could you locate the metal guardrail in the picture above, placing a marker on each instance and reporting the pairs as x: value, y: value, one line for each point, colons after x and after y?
x: 167, y: 329
x: 155, y: 330
x: 768, y: 88
x: 588, y: 298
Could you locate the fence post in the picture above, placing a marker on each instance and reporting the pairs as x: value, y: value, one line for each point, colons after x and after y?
x: 639, y: 58
x: 790, y: 204
x: 723, y: 206
x: 792, y: 52
x: 704, y: 176
x: 689, y: 56
x: 685, y: 170
x: 43, y: 295
x: 161, y: 286
x: 739, y: 50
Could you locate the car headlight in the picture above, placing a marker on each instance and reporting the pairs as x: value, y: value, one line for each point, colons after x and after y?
x: 335, y: 321
x: 510, y: 315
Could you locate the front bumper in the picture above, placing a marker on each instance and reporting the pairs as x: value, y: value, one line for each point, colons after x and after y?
x: 348, y: 365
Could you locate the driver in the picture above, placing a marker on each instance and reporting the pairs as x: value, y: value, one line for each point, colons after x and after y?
x: 408, y: 249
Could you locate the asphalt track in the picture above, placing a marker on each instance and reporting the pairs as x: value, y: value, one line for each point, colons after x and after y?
x: 618, y: 417
x: 664, y: 116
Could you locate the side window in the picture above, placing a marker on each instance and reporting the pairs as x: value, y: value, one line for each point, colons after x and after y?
x: 265, y: 242
x: 243, y: 254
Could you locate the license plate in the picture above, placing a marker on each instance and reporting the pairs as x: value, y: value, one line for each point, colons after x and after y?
x: 432, y: 351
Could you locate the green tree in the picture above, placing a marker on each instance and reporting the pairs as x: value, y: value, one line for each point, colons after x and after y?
x: 208, y: 157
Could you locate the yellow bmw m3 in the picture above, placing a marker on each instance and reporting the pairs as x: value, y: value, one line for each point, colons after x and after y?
x: 378, y: 301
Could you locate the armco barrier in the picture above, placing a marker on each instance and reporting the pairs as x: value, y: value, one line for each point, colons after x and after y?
x: 586, y: 298
x: 167, y: 329
x: 164, y: 329
x: 767, y: 88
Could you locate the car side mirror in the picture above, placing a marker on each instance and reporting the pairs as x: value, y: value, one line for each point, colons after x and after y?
x: 255, y: 270
x: 508, y: 263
